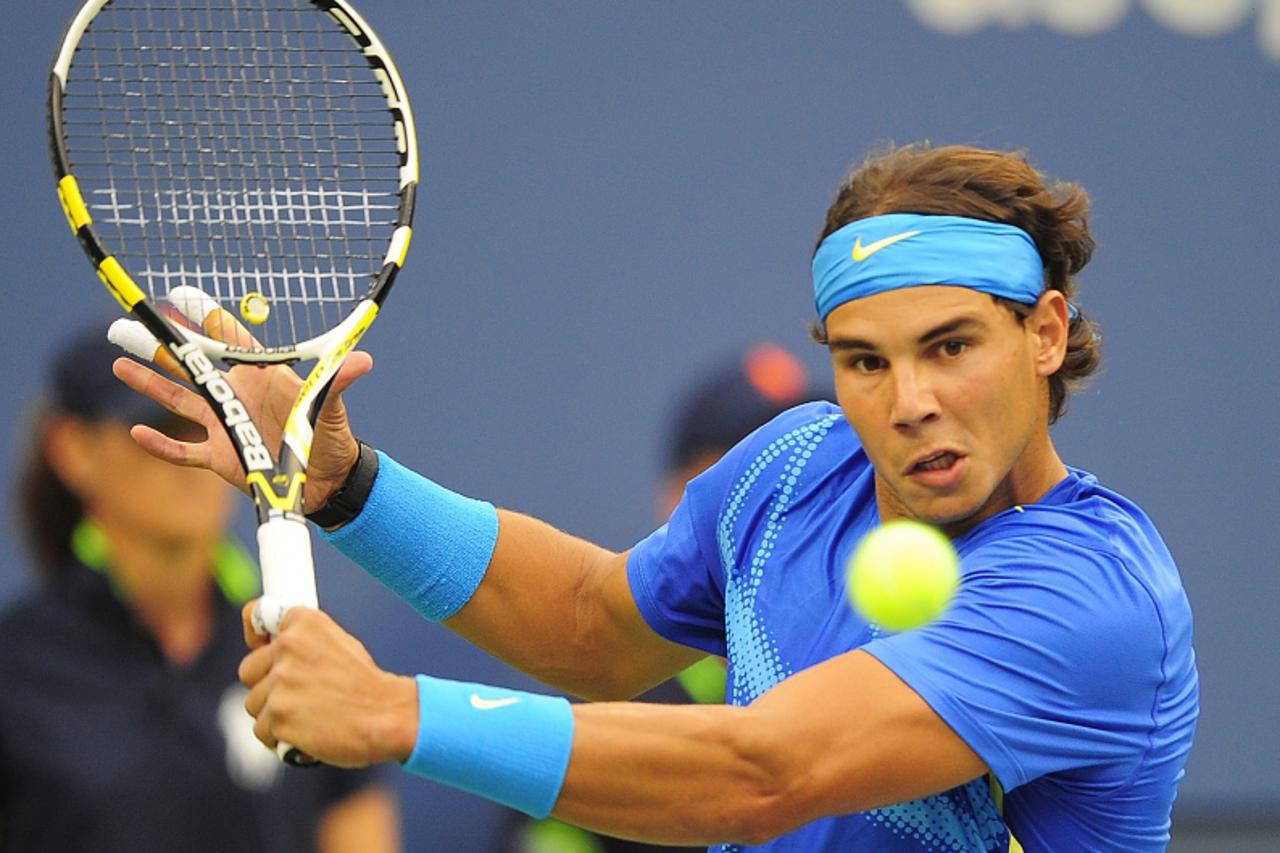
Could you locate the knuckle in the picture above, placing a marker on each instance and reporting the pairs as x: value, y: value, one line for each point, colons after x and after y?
x: 287, y: 643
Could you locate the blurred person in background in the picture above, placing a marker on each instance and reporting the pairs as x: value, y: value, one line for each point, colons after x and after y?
x: 122, y: 723
x: 728, y: 403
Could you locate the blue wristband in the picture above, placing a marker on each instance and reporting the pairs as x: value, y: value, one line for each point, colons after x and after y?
x: 506, y: 745
x: 428, y: 545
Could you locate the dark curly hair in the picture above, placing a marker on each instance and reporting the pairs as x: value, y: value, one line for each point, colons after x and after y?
x: 995, y: 186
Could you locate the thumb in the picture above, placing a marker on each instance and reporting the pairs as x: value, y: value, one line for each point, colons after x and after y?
x: 357, y: 364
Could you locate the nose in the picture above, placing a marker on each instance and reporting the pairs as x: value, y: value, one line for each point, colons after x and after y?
x: 914, y: 403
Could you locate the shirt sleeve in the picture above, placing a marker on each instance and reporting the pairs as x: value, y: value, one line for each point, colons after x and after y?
x: 675, y: 573
x: 1046, y: 661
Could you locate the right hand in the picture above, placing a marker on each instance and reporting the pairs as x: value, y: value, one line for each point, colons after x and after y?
x: 268, y: 393
x: 317, y: 687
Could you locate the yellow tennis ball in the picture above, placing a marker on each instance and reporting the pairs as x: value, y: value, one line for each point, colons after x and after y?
x: 903, y: 574
x: 255, y: 308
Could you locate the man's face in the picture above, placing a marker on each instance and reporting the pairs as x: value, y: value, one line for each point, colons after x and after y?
x: 947, y: 391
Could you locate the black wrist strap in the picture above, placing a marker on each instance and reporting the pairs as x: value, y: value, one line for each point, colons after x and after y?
x: 346, y: 503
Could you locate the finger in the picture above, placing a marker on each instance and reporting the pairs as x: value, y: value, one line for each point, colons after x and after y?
x: 262, y: 730
x: 255, y: 666
x: 252, y: 637
x: 185, y: 453
x: 222, y: 325
x: 176, y: 398
x: 297, y: 613
x: 205, y: 312
x: 256, y: 699
x: 357, y: 365
x: 135, y: 339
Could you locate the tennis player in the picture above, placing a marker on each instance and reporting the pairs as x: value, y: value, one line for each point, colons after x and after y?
x: 1053, y: 705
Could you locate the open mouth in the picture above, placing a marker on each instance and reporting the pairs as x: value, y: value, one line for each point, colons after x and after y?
x: 939, y: 461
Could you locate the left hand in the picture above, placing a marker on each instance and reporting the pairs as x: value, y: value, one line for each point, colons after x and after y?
x: 316, y: 687
x: 268, y: 393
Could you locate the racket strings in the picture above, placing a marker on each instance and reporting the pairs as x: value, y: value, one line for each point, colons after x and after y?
x: 244, y: 151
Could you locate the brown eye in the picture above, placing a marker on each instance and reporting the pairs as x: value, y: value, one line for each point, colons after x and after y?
x: 868, y: 363
x: 951, y: 349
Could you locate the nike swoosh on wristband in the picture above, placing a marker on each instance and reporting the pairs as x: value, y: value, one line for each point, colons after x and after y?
x: 861, y: 253
x: 481, y: 704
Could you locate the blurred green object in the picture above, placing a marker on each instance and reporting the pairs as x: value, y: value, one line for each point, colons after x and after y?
x: 552, y: 836
x: 234, y: 569
x: 704, y: 681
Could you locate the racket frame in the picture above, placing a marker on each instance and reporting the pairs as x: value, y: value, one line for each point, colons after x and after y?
x: 276, y: 489
x: 275, y: 484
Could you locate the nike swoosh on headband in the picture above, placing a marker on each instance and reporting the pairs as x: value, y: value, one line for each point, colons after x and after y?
x: 861, y: 253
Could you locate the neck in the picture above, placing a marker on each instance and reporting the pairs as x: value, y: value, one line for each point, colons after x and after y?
x: 181, y: 628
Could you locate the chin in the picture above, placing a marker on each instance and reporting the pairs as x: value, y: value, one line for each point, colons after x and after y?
x: 945, y: 512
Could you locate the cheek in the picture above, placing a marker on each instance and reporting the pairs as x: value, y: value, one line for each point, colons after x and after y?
x: 845, y: 399
x: 858, y: 408
x: 871, y: 422
x: 1000, y: 404
x: 192, y: 489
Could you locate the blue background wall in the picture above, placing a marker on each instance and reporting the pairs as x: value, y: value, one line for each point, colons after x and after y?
x: 618, y: 194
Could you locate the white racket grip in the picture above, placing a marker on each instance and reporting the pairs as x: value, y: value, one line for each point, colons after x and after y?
x: 288, y: 580
x: 193, y: 302
x: 288, y: 571
x: 133, y: 337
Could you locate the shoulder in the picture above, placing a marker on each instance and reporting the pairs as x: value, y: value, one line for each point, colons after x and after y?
x: 818, y: 417
x: 789, y: 455
x: 812, y: 433
x: 69, y: 602
x: 1090, y: 560
x: 1078, y: 528
x: 29, y: 614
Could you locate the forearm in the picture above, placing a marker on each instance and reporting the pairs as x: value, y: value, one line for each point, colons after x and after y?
x: 668, y: 773
x: 559, y: 608
x: 551, y: 604
x: 527, y: 610
x: 843, y: 736
x: 839, y: 737
x: 681, y: 774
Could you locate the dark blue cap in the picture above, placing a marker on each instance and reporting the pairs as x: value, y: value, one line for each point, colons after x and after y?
x: 740, y: 396
x: 81, y: 384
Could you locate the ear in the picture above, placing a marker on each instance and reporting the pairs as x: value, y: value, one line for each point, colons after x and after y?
x: 68, y: 447
x: 1049, y: 323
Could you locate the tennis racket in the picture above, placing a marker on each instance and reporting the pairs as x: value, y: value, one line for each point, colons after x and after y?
x: 241, y: 174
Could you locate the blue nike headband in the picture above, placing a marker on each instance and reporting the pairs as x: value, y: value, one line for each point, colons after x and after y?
x: 899, y: 250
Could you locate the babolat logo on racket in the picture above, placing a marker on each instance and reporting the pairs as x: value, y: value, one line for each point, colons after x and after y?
x: 234, y: 415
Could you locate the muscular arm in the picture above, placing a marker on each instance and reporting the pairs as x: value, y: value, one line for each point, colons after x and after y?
x: 560, y: 609
x: 844, y: 736
x: 841, y: 737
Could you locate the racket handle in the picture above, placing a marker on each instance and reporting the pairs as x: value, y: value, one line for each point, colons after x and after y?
x: 267, y: 616
x: 293, y: 756
x: 288, y: 572
x: 288, y: 580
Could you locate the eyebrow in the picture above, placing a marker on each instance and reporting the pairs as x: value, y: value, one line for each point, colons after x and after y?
x: 951, y: 327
